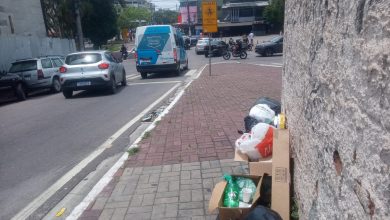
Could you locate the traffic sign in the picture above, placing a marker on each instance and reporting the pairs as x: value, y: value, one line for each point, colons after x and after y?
x: 209, y: 14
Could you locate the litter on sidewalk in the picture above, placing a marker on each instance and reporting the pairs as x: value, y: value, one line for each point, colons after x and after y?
x: 265, y: 147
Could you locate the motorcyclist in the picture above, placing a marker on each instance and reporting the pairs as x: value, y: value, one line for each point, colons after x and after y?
x: 124, y: 51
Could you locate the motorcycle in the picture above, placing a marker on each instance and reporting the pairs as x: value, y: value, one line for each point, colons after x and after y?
x: 124, y: 55
x: 235, y: 50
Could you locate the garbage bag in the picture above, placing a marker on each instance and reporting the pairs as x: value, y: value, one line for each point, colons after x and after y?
x: 272, y: 103
x: 263, y: 113
x: 249, y: 123
x: 231, y: 193
x: 247, y: 145
x: 262, y: 213
x: 245, y: 183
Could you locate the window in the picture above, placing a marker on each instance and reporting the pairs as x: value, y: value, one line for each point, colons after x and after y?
x: 109, y: 57
x: 83, y: 58
x: 23, y: 66
x: 56, y: 62
x: 246, y: 12
x: 46, y: 63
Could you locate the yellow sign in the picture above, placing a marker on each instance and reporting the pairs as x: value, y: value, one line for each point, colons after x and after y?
x: 209, y: 14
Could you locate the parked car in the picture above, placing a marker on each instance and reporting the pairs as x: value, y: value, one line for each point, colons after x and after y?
x: 91, y: 70
x: 38, y: 73
x: 194, y: 40
x: 160, y: 48
x: 218, y: 48
x: 199, y: 48
x: 12, y: 81
x: 268, y: 48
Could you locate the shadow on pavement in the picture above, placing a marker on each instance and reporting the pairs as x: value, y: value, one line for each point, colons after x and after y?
x: 95, y: 93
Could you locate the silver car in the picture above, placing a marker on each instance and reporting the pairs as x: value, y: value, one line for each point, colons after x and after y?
x: 37, y: 73
x: 91, y: 70
x: 199, y: 48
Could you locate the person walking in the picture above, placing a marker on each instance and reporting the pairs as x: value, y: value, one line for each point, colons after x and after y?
x: 250, y: 36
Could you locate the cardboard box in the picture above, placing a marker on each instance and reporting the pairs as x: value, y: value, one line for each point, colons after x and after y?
x: 279, y: 168
x: 225, y: 213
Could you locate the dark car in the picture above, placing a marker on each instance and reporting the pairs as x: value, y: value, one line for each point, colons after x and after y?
x: 218, y: 48
x: 13, y: 81
x: 193, y: 40
x: 268, y: 48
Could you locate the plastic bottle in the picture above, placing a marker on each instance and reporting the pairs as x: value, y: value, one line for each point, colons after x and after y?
x: 231, y: 193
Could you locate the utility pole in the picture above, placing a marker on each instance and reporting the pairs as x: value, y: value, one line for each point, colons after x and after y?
x: 189, y: 18
x: 78, y: 24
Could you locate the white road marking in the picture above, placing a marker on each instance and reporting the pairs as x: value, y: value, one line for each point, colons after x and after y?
x: 191, y: 72
x: 133, y: 77
x: 266, y: 65
x: 41, y: 199
x: 147, y: 83
x: 281, y: 64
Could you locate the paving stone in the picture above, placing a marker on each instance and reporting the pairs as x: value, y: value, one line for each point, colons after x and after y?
x: 208, y: 175
x: 128, y: 171
x: 163, y: 187
x: 215, y: 164
x: 118, y: 190
x: 144, y: 178
x: 190, y: 212
x: 166, y: 200
x: 154, y: 178
x: 174, y: 185
x: 190, y: 168
x: 138, y: 216
x: 167, y: 168
x: 208, y: 183
x: 211, y: 170
x: 140, y: 209
x: 129, y: 179
x: 100, y: 203
x: 167, y: 194
x: 114, y: 205
x: 190, y: 205
x: 185, y: 196
x: 136, y: 201
x: 185, y: 175
x: 211, y: 217
x: 158, y: 211
x: 119, y: 213
x: 190, y: 181
x: 176, y: 167
x: 153, y: 168
x: 116, y: 198
x: 145, y: 191
x: 195, y: 174
x: 205, y: 165
x: 138, y: 170
x: 171, y: 210
x: 198, y: 218
x: 197, y: 195
x: 167, y: 174
x: 106, y: 214
x: 148, y: 199
x: 191, y: 186
x: 146, y: 186
x: 169, y: 178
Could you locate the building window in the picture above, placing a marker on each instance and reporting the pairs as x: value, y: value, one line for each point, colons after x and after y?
x: 11, y: 24
x: 246, y: 12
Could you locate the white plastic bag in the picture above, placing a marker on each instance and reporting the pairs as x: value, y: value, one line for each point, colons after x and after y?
x: 246, y: 144
x: 263, y: 113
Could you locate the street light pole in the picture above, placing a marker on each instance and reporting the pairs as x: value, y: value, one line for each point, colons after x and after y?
x: 188, y: 18
x: 78, y: 24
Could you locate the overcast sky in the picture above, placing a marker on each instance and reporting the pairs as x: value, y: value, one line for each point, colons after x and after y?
x: 166, y: 4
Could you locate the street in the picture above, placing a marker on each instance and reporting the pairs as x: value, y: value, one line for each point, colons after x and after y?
x: 46, y: 136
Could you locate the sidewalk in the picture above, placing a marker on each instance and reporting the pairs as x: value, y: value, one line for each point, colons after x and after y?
x: 180, y: 161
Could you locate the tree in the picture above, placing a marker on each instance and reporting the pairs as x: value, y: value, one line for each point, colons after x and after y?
x: 131, y: 17
x: 274, y: 13
x: 99, y: 21
x: 165, y: 17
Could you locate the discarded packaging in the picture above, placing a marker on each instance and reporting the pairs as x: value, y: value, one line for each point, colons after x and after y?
x: 272, y: 103
x: 231, y: 192
x: 262, y: 113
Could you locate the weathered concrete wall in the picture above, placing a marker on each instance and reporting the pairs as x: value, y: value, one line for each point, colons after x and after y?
x: 336, y: 92
x: 26, y: 17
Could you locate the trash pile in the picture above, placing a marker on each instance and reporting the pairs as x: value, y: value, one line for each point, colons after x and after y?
x: 264, y: 145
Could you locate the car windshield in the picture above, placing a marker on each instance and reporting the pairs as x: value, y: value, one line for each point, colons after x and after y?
x: 276, y: 39
x: 153, y: 41
x: 23, y: 66
x: 203, y: 41
x: 83, y: 58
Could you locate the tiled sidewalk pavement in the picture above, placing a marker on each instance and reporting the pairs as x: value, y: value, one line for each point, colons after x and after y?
x: 189, y: 150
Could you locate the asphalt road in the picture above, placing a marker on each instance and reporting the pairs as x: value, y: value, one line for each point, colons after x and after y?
x: 45, y: 136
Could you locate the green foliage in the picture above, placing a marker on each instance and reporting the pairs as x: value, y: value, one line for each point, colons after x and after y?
x: 99, y: 20
x: 274, y: 13
x: 165, y: 17
x: 133, y: 151
x: 130, y: 17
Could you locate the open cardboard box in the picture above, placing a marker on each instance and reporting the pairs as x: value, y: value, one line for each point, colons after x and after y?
x: 225, y: 213
x: 279, y: 168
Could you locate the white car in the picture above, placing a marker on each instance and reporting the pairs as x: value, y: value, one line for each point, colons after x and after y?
x: 199, y: 48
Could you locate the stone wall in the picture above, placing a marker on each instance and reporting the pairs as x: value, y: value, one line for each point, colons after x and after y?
x: 336, y: 93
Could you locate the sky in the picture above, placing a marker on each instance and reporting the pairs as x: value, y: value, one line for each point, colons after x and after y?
x: 166, y: 4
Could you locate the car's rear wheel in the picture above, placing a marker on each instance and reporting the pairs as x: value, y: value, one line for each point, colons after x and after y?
x: 56, y: 86
x: 67, y: 93
x: 113, y: 86
x: 144, y: 75
x: 124, y: 80
x: 20, y: 92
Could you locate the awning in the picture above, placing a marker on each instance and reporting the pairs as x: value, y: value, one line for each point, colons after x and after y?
x: 245, y: 4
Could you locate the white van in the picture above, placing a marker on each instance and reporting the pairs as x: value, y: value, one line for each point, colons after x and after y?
x: 159, y: 48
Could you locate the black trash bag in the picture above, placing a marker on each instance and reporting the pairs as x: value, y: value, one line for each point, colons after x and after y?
x: 272, y: 103
x: 250, y: 122
x: 262, y: 213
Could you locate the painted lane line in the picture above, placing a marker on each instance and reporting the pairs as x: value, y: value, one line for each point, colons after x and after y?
x: 134, y: 77
x: 281, y: 64
x: 191, y: 72
x: 148, y: 83
x: 200, y: 72
x: 130, y: 76
x: 41, y: 199
x: 79, y: 209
